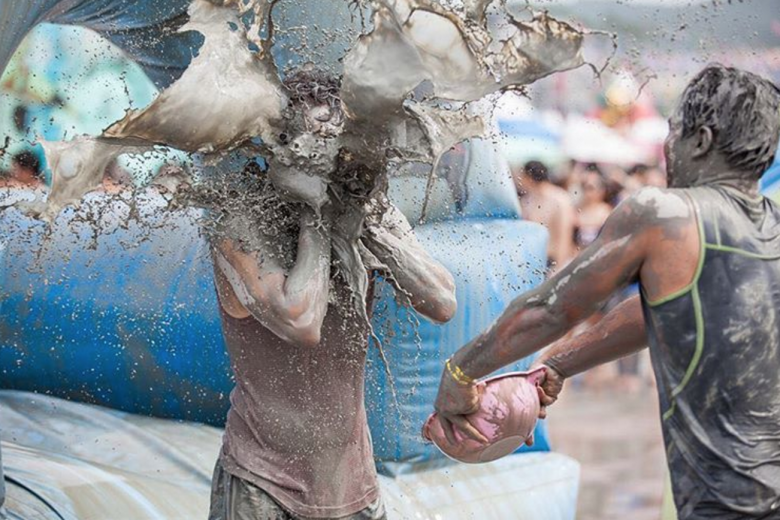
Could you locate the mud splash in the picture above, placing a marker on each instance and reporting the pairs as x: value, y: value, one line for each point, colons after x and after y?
x: 407, y: 93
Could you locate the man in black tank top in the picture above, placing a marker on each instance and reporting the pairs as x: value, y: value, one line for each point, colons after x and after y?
x: 706, y: 252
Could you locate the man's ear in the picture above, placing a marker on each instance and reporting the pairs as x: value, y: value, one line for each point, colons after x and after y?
x: 705, y: 140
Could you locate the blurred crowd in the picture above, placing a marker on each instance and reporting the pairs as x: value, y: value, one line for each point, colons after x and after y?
x: 573, y: 202
x: 27, y: 173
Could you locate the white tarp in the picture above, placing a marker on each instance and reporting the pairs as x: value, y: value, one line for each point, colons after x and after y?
x: 70, y: 461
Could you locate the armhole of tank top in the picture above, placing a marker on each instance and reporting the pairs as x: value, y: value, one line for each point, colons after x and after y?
x: 699, y: 265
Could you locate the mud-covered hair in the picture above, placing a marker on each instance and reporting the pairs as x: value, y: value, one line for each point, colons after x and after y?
x: 313, y: 87
x: 743, y: 111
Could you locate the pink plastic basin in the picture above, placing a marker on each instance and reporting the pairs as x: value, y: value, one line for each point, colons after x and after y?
x: 507, y: 417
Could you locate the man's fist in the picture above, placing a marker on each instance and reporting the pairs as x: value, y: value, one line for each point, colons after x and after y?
x: 549, y: 389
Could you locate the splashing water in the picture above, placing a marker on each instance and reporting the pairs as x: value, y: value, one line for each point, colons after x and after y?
x: 407, y: 93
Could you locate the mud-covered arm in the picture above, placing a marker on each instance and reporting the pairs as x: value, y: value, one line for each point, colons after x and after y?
x: 428, y: 284
x: 542, y: 316
x: 620, y: 333
x: 292, y: 305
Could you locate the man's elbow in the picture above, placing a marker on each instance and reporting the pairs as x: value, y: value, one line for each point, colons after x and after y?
x: 447, y: 301
x: 561, y: 316
x: 305, y: 328
x: 299, y: 326
x: 445, y: 309
x: 442, y: 306
x: 302, y: 333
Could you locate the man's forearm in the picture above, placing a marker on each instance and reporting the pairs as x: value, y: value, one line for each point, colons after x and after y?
x: 527, y: 329
x: 527, y: 326
x: 427, y: 283
x: 310, y: 275
x: 619, y: 334
x: 291, y: 304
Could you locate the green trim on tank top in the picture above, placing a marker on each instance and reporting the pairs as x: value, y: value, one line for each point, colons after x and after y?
x: 737, y: 251
x: 699, y: 266
x: 697, y: 308
x: 692, y: 288
x: 697, y: 352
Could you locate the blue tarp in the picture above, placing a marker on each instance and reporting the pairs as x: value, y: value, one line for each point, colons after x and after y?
x: 128, y: 318
x: 89, y: 462
x: 493, y: 261
x: 147, y: 30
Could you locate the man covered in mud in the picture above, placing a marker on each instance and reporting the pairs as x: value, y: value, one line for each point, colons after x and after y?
x: 296, y: 443
x: 706, y: 252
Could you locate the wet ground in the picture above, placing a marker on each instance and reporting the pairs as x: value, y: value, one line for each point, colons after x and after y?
x: 615, y: 434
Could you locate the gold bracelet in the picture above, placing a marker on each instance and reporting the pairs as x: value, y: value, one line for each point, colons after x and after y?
x: 458, y: 375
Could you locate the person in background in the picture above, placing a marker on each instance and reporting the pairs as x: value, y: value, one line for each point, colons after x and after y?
x: 654, y: 176
x: 593, y: 210
x: 568, y: 179
x: 25, y: 172
x: 547, y: 204
x: 706, y: 253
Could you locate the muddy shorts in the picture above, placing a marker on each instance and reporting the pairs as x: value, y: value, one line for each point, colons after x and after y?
x: 233, y: 498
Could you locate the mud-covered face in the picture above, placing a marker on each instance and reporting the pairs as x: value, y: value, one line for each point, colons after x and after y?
x: 680, y: 171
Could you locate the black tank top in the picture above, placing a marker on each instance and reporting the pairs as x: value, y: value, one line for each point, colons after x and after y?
x: 715, y: 348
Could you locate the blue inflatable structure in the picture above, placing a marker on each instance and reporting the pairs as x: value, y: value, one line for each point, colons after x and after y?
x: 144, y: 29
x: 125, y: 315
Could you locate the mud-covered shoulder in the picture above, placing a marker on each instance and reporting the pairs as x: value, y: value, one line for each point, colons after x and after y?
x: 653, y: 213
x: 655, y: 206
x: 647, y: 212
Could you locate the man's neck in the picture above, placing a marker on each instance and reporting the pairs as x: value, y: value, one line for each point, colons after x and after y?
x: 750, y: 191
x: 715, y: 171
x: 749, y: 188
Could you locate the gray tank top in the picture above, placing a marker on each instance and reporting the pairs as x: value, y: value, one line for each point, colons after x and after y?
x: 715, y: 348
x: 297, y: 424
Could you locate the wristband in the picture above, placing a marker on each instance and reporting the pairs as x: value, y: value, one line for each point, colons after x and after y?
x: 458, y: 375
